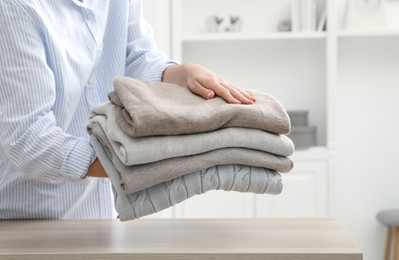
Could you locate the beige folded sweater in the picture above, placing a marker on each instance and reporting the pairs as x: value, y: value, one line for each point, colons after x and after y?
x: 139, y: 150
x: 154, y: 108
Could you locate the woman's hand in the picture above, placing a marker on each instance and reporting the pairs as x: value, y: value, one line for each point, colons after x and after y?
x: 96, y: 170
x: 205, y: 83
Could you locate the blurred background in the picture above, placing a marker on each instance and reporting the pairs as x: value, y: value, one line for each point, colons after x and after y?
x: 334, y: 65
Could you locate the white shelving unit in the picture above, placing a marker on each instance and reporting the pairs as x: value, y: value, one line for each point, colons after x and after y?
x: 263, y: 55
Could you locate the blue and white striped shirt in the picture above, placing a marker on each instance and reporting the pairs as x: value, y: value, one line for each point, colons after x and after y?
x: 57, y: 60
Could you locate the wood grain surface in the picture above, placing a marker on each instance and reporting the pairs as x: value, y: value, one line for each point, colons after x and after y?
x: 277, y: 239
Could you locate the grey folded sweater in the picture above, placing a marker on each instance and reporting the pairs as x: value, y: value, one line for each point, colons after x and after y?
x: 139, y: 177
x: 154, y: 108
x: 164, y: 195
x: 140, y: 150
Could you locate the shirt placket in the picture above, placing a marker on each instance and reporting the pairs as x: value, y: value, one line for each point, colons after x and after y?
x: 92, y: 95
x: 92, y: 99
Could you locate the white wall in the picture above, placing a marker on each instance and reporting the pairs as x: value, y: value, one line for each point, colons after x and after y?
x: 367, y: 135
x: 367, y: 138
x: 157, y: 14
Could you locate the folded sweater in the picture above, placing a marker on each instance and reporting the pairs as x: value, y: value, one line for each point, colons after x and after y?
x: 156, y: 108
x: 140, y: 150
x: 139, y: 177
x: 164, y: 195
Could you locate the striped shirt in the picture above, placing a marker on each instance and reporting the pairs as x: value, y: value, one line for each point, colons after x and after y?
x: 58, y: 59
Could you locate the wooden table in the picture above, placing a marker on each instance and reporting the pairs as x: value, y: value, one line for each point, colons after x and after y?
x: 275, y: 239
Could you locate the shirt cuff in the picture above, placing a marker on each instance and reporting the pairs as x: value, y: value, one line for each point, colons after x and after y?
x: 157, y: 72
x: 81, y: 156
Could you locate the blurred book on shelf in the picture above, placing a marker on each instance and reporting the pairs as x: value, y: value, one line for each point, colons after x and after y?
x: 304, y: 16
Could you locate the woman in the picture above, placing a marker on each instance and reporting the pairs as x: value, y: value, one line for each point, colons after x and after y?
x: 57, y: 60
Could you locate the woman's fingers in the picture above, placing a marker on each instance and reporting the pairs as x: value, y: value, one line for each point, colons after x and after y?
x: 228, y: 84
x: 209, y: 85
x: 213, y: 84
x: 239, y: 94
x: 246, y: 94
x: 198, y: 89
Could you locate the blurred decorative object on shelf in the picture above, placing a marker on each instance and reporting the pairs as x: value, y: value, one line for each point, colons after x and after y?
x: 365, y: 14
x: 303, y: 15
x: 298, y: 117
x: 236, y: 23
x: 213, y: 23
x: 295, y: 15
x: 322, y: 25
x: 284, y: 25
x: 302, y: 135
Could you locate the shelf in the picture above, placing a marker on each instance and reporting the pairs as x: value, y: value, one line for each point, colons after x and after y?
x: 253, y: 36
x: 368, y: 33
x: 284, y: 35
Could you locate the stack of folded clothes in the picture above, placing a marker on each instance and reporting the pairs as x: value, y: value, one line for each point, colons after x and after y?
x: 160, y: 144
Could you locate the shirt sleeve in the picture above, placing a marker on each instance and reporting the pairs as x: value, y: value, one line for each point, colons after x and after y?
x: 29, y: 136
x: 143, y: 60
